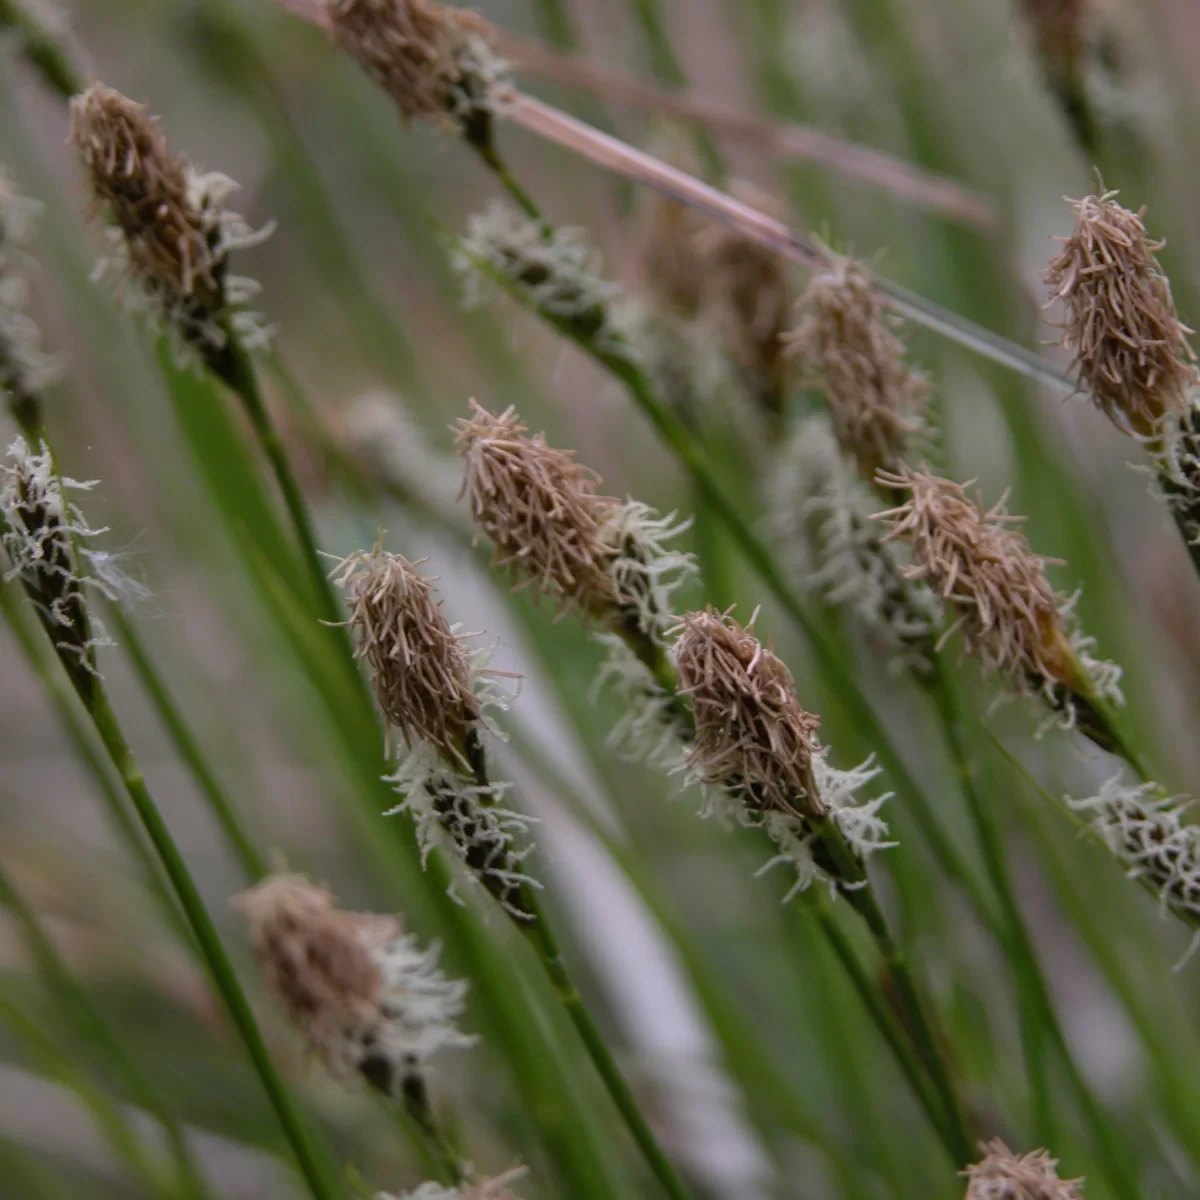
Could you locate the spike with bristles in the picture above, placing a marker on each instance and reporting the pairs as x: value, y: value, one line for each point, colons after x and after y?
x: 845, y: 345
x: 1010, y: 617
x: 1003, y: 1175
x: 1131, y: 351
x: 822, y: 517
x: 755, y: 751
x: 367, y: 998
x: 435, y: 61
x: 173, y: 231
x: 496, y: 1188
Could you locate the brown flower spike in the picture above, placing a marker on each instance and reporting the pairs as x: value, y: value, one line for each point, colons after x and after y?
x: 145, y: 186
x: 752, y: 737
x: 845, y: 344
x: 540, y: 508
x: 1130, y: 349
x: 1009, y: 614
x: 1003, y: 1175
x: 366, y: 997
x: 421, y: 671
x: 416, y: 50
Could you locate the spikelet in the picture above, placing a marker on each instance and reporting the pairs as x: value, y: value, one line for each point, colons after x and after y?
x: 539, y: 507
x: 366, y: 997
x: 750, y: 295
x: 1003, y: 1175
x: 435, y: 61
x: 612, y: 560
x: 822, y: 516
x: 558, y: 269
x: 25, y: 369
x: 173, y: 230
x: 1145, y: 830
x: 755, y: 750
x: 496, y: 1188
x: 1131, y: 351
x: 436, y: 692
x: 845, y: 345
x: 419, y: 667
x: 1009, y: 615
x: 44, y: 538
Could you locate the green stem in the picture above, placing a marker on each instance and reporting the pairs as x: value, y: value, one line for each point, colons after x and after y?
x: 241, y: 377
x: 248, y: 855
x: 856, y: 888
x: 92, y: 1023
x: 107, y: 1113
x: 894, y: 1034
x: 221, y: 970
x: 40, y: 48
x: 1020, y: 947
x: 541, y: 937
x: 442, y: 1157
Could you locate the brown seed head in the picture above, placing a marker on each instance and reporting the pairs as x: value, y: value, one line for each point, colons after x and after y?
x: 316, y: 961
x: 413, y: 49
x: 146, y: 188
x: 1003, y: 1175
x: 1130, y: 349
x: 845, y: 345
x: 540, y: 508
x: 1008, y: 612
x: 422, y: 674
x: 752, y: 736
x: 751, y: 292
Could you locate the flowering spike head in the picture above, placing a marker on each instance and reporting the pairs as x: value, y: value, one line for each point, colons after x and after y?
x: 175, y: 232
x: 752, y: 737
x: 366, y: 998
x: 38, y: 531
x: 557, y: 268
x: 1003, y: 1175
x: 433, y: 60
x: 421, y: 671
x: 496, y: 1188
x: 25, y: 370
x: 844, y: 343
x: 539, y: 507
x: 1130, y: 349
x: 1009, y: 614
x: 823, y: 516
x: 751, y: 292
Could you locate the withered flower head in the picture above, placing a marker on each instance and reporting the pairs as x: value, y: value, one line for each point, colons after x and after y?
x: 479, y: 1189
x: 1003, y: 1175
x: 1009, y: 614
x: 752, y: 737
x: 751, y: 294
x: 1130, y: 348
x: 366, y: 997
x: 420, y: 668
x: 540, y: 508
x: 433, y: 60
x: 844, y: 343
x: 175, y: 230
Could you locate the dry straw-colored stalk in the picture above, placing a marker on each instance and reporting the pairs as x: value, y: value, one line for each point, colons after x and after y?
x: 1130, y: 349
x: 1009, y: 615
x: 1003, y: 1175
x: 844, y: 344
x: 752, y: 736
x: 366, y: 998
